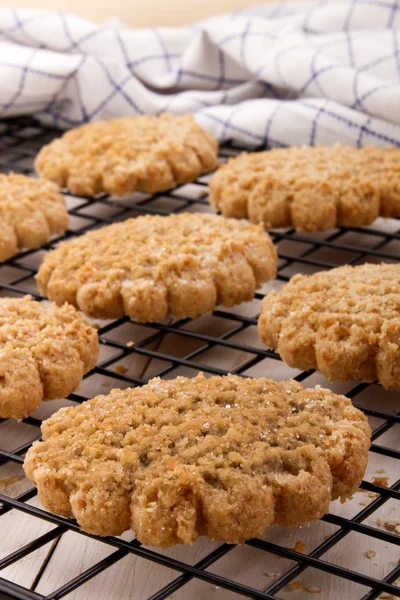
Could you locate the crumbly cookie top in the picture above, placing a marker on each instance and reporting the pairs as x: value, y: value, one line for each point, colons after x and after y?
x: 344, y: 322
x: 44, y: 352
x: 197, y: 439
x: 146, y: 152
x: 311, y: 188
x: 184, y: 264
x: 31, y: 211
x: 197, y: 421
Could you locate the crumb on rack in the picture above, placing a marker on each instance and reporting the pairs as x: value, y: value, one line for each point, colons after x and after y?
x: 121, y: 369
x: 393, y: 526
x: 379, y: 522
x: 271, y: 574
x: 314, y: 589
x: 370, y: 554
x: 294, y: 586
x: 129, y: 344
x: 380, y: 471
x: 105, y: 384
x: 299, y: 547
x: 10, y: 480
x: 383, y: 481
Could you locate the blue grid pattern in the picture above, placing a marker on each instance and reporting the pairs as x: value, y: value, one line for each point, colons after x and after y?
x: 314, y: 72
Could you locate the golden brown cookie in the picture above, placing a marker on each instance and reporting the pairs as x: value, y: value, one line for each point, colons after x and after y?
x: 148, y: 153
x: 31, y: 211
x: 310, y: 188
x: 344, y: 322
x: 224, y: 457
x: 44, y: 353
x: 151, y: 266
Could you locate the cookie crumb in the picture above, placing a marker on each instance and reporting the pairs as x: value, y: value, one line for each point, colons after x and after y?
x: 129, y: 344
x: 299, y: 547
x: 121, y: 369
x: 393, y: 526
x: 386, y: 596
x: 10, y: 480
x: 294, y: 586
x: 272, y: 574
x: 370, y: 554
x: 380, y: 471
x: 105, y: 384
x: 378, y: 522
x: 362, y: 503
x: 314, y: 589
x: 383, y: 481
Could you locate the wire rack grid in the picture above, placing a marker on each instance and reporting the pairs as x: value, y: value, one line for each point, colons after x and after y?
x: 225, y: 341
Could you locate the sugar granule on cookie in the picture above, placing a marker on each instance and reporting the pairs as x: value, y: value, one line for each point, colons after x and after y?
x: 148, y: 153
x: 224, y: 457
x: 310, y: 188
x: 344, y: 322
x: 31, y: 211
x: 151, y: 266
x: 44, y: 353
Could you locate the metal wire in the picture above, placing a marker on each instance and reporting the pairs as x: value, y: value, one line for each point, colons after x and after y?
x: 20, y: 140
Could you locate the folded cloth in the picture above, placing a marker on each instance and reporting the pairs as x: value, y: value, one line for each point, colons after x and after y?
x: 314, y: 72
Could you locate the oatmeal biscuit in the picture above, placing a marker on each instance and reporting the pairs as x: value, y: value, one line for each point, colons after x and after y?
x: 148, y: 153
x: 344, y: 322
x: 311, y: 189
x: 31, y: 211
x: 224, y: 457
x: 44, y: 353
x: 151, y: 266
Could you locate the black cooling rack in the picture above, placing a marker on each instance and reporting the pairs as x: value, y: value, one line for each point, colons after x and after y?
x: 19, y: 142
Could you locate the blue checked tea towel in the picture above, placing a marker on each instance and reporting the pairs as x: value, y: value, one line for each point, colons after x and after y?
x: 282, y: 73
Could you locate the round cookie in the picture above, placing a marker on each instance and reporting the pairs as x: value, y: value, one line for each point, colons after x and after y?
x: 31, y: 211
x: 310, y: 188
x: 224, y: 457
x: 344, y: 322
x: 147, y: 152
x: 151, y: 266
x: 44, y: 353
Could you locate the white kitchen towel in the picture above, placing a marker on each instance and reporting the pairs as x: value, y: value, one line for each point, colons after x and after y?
x: 282, y: 73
